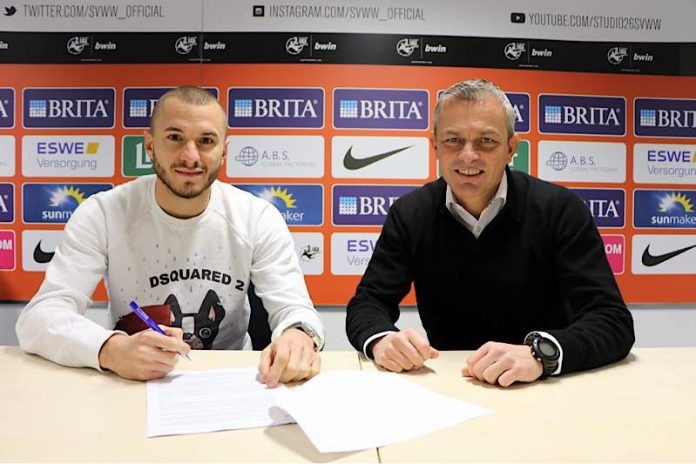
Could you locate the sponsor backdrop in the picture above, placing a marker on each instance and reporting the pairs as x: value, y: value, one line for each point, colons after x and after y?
x: 333, y: 128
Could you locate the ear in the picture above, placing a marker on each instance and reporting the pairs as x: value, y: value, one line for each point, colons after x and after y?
x: 513, y: 143
x: 224, y: 150
x: 149, y: 143
x: 174, y: 306
x: 211, y: 307
x: 433, y: 141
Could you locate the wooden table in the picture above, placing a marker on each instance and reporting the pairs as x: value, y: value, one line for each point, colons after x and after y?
x: 55, y: 413
x: 642, y: 409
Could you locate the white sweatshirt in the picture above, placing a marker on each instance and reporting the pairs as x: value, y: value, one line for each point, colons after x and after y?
x: 145, y: 255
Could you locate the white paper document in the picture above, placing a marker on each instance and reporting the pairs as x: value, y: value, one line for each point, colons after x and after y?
x: 353, y: 410
x: 339, y: 410
x: 207, y: 401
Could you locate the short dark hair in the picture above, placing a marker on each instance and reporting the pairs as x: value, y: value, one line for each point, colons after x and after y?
x: 190, y: 94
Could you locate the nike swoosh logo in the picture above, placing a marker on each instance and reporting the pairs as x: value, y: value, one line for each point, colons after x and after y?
x: 352, y: 163
x: 40, y: 256
x: 653, y: 260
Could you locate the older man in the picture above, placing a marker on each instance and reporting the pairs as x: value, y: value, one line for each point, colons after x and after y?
x: 502, y: 263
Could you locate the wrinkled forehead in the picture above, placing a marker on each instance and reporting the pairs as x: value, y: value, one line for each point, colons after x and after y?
x: 487, y: 108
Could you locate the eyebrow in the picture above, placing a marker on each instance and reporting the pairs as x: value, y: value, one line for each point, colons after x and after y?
x: 204, y: 134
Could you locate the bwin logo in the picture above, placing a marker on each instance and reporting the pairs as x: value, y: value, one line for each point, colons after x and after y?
x: 406, y: 47
x: 66, y: 108
x: 141, y: 107
x: 76, y: 45
x: 380, y: 109
x: 275, y: 108
x: 295, y: 45
x: 185, y: 44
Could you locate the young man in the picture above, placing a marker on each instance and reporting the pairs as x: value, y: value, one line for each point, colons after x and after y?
x: 502, y: 263
x: 179, y: 238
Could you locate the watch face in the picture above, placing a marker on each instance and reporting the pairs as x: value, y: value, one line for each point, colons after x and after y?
x: 547, y: 348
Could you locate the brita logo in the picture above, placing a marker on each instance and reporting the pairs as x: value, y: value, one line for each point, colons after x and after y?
x: 65, y: 108
x: 276, y: 107
x: 380, y: 109
x: 365, y: 205
x: 607, y: 206
x: 520, y: 103
x: 577, y: 114
x: 665, y: 118
x: 6, y: 108
x: 6, y: 202
x: 139, y: 103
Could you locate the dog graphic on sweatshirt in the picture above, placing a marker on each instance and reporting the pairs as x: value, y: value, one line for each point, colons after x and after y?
x: 200, y: 328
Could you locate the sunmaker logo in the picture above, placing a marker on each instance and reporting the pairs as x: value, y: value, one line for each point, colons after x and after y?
x: 67, y: 107
x: 578, y: 114
x: 667, y: 209
x: 665, y: 118
x: 7, y: 104
x: 365, y: 205
x: 139, y: 103
x: 380, y: 109
x: 75, y: 156
x: 55, y: 203
x: 607, y: 206
x: 276, y: 107
x: 300, y: 205
x: 6, y: 202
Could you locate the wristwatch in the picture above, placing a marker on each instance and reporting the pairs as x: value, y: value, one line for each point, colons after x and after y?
x: 545, y: 351
x: 310, y: 332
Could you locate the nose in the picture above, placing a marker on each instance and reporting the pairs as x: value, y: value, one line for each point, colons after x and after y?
x: 189, y: 153
x: 467, y: 153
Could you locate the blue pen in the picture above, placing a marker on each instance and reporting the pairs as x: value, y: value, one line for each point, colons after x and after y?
x: 150, y: 323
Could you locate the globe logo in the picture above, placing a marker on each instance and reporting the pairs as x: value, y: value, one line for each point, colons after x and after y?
x: 248, y: 156
x: 558, y: 161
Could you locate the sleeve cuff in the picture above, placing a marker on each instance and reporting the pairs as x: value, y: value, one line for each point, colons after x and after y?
x: 372, y: 338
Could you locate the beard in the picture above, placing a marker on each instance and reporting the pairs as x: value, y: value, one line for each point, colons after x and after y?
x: 188, y: 190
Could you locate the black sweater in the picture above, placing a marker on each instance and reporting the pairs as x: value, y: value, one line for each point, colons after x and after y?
x: 539, y: 265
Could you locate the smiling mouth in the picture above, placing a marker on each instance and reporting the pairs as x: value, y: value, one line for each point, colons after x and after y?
x: 188, y: 172
x: 470, y: 172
